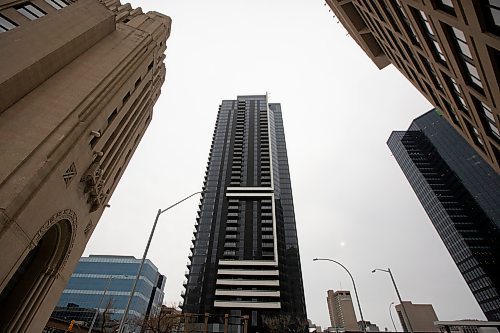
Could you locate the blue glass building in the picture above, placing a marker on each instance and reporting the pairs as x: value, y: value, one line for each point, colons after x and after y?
x: 460, y: 193
x: 104, y: 282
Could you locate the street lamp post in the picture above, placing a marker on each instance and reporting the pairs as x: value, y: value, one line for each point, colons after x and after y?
x: 160, y: 211
x: 388, y: 270
x: 390, y: 314
x: 363, y: 324
x: 100, y: 303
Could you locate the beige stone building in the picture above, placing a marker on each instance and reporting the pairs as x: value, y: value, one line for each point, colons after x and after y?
x: 78, y: 81
x: 341, y: 310
x: 421, y: 317
x: 448, y: 49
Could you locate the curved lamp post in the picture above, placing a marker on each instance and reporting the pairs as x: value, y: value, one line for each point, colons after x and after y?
x: 388, y: 270
x: 160, y: 211
x: 363, y: 324
x: 390, y: 314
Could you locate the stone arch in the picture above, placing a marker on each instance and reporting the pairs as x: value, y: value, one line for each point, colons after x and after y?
x: 25, y: 292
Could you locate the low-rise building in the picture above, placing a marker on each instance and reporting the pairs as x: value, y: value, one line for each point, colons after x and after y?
x: 99, y: 289
x: 421, y: 317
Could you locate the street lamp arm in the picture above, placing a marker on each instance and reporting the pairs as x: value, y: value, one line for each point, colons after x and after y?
x: 363, y: 324
x: 338, y: 263
x: 178, y: 202
x: 388, y: 270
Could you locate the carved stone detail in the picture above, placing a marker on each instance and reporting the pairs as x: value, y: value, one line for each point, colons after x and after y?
x: 67, y: 215
x: 88, y: 227
x: 94, y: 184
x: 69, y: 174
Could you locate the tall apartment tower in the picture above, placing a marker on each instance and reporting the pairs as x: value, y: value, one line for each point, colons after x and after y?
x: 460, y: 193
x: 341, y: 310
x: 245, y: 259
x: 78, y: 81
x: 448, y: 49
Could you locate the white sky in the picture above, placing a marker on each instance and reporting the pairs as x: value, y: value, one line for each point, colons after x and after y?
x: 352, y: 202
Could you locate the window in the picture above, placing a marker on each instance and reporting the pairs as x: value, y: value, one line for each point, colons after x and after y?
x: 430, y: 32
x: 432, y: 73
x: 126, y: 97
x: 494, y: 130
x: 6, y: 24
x: 477, y: 136
x: 466, y: 56
x: 138, y: 82
x: 412, y: 57
x: 57, y: 4
x: 387, y: 12
x: 30, y: 11
x: 407, y: 22
x: 112, y: 116
x: 492, y: 13
x: 457, y: 93
x: 446, y: 5
x: 451, y: 112
x: 490, y: 118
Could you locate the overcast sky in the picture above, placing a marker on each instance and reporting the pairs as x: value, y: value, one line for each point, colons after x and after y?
x: 352, y: 202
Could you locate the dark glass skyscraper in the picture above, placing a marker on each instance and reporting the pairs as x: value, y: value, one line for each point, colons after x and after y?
x: 245, y: 260
x: 461, y: 194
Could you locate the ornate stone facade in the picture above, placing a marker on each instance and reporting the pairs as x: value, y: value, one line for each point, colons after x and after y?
x: 78, y: 81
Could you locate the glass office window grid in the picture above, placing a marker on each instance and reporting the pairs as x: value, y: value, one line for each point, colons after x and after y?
x: 462, y: 44
x: 105, y: 282
x: 459, y: 192
x: 245, y: 258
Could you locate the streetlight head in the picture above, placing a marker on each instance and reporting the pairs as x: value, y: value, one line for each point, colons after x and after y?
x: 374, y: 271
x: 315, y: 259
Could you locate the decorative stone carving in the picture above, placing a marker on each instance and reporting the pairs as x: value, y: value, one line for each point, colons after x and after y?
x: 94, y: 184
x: 88, y: 227
x: 69, y: 216
x: 66, y: 214
x: 69, y: 174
